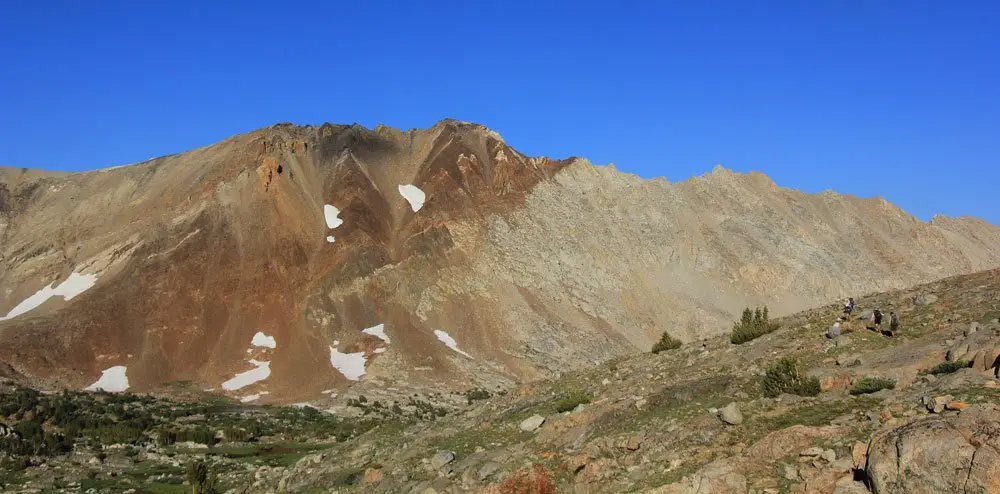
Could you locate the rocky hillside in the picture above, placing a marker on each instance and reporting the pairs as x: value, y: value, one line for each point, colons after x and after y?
x: 293, y: 263
x: 859, y: 413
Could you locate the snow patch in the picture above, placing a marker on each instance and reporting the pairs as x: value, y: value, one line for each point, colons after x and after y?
x: 380, y: 350
x: 378, y: 332
x: 351, y: 365
x: 262, y: 340
x: 448, y: 341
x: 74, y: 285
x: 413, y: 195
x: 330, y: 239
x: 328, y: 391
x: 113, y: 380
x: 253, y: 397
x: 260, y: 372
x: 331, y: 213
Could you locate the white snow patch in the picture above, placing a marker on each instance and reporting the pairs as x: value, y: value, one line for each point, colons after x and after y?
x: 331, y: 213
x: 330, y: 239
x: 72, y: 286
x: 380, y: 350
x: 351, y: 365
x: 378, y: 332
x: 253, y: 397
x: 413, y: 195
x: 449, y: 341
x: 260, y: 372
x: 328, y: 391
x: 262, y: 340
x: 305, y: 405
x: 113, y: 380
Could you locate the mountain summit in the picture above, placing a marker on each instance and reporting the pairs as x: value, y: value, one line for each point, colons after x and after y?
x: 292, y: 261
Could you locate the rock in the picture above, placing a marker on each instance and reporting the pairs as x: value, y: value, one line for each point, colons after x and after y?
x: 937, y: 404
x: 859, y: 453
x: 640, y: 403
x: 731, y: 414
x: 834, y: 331
x: 605, y: 381
x: 811, y: 452
x: 973, y: 327
x: 579, y: 408
x: 956, y: 352
x: 577, y: 462
x: 634, y: 442
x: 372, y: 476
x: 441, y: 459
x: 956, y: 405
x: 842, y: 341
x: 926, y: 299
x: 532, y: 423
x: 829, y: 455
x: 488, y: 468
x: 94, y: 461
x: 791, y: 472
x: 947, y: 453
x: 851, y: 359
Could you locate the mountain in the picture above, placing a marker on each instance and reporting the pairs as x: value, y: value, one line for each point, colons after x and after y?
x: 291, y: 261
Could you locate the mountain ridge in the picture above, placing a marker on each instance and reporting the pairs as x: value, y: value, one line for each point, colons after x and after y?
x: 530, y: 266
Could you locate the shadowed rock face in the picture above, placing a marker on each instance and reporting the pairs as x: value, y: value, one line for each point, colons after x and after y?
x: 532, y: 266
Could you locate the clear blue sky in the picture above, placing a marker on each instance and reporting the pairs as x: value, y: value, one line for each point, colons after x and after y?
x: 893, y: 98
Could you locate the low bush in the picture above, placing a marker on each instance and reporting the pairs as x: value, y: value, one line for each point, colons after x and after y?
x: 784, y: 376
x: 666, y: 342
x: 752, y: 325
x: 871, y: 384
x: 949, y: 367
x: 570, y: 401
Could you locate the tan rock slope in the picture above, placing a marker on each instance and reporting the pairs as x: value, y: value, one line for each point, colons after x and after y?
x: 224, y: 265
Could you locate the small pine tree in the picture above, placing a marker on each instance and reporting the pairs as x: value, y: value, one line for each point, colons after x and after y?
x: 753, y: 324
x: 201, y: 479
x: 666, y: 342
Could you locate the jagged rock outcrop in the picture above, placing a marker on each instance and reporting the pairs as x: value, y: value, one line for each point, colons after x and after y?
x: 954, y: 453
x: 503, y: 267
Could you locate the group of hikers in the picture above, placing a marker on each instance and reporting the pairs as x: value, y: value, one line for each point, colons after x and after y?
x: 876, y: 321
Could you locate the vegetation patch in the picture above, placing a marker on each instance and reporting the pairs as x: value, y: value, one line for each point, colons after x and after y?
x: 569, y: 401
x: 752, y: 325
x: 949, y: 367
x: 872, y: 384
x: 666, y: 342
x: 785, y: 376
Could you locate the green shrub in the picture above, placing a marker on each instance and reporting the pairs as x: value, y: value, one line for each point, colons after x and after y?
x: 870, y: 384
x: 784, y: 376
x: 949, y: 367
x: 753, y: 324
x: 666, y: 342
x: 200, y: 478
x: 476, y: 394
x: 570, y: 401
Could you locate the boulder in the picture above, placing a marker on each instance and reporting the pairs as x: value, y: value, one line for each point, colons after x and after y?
x: 441, y: 459
x: 829, y: 455
x: 925, y: 299
x: 532, y: 423
x: 957, y: 351
x: 811, y: 452
x: 731, y: 414
x: 850, y: 359
x: 859, y: 454
x: 938, y: 403
x: 973, y: 327
x: 952, y: 453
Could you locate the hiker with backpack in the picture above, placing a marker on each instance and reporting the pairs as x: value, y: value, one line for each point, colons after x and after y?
x: 877, y: 320
x: 848, y: 308
x: 893, y: 324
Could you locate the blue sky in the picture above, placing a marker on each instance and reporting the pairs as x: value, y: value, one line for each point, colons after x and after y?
x: 890, y: 98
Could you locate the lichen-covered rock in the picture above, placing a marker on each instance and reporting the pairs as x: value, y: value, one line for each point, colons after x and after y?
x: 952, y: 453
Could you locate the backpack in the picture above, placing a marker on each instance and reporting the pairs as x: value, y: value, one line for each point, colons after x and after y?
x: 878, y: 314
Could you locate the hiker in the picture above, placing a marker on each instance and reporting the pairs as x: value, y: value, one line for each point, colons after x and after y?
x: 877, y: 320
x: 848, y: 307
x: 893, y: 323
